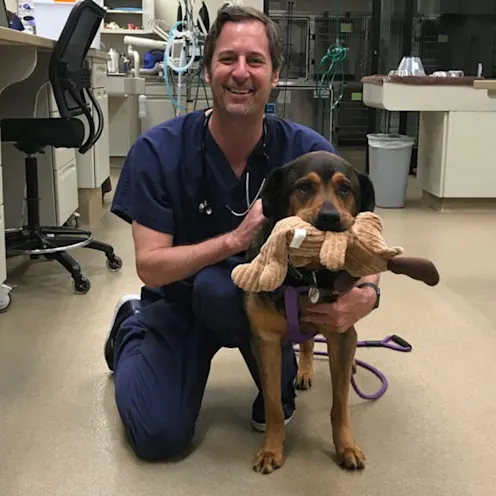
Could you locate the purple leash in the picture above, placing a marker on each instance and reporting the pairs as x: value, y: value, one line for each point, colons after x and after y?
x: 295, y: 335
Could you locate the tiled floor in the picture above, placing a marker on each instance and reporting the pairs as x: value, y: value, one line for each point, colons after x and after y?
x: 433, y: 433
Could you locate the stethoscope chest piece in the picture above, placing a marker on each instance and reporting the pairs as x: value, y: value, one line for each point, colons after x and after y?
x: 204, y: 208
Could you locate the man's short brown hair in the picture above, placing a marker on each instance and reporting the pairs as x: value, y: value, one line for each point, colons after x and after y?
x: 235, y: 13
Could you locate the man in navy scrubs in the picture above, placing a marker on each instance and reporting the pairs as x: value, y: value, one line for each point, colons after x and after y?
x: 161, y: 344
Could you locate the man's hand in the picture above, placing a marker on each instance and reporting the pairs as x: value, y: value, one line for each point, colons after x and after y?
x: 159, y: 263
x: 242, y: 236
x: 345, y: 312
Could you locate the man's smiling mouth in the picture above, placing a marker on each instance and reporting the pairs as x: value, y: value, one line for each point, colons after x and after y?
x: 239, y: 91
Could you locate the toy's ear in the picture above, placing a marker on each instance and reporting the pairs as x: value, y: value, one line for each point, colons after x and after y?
x: 272, y: 193
x: 367, y: 193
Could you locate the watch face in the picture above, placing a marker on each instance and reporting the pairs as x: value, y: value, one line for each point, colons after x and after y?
x: 313, y: 295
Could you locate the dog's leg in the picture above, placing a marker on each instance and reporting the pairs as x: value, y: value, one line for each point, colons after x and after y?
x: 269, y: 328
x: 305, y: 365
x: 341, y: 348
x: 271, y: 455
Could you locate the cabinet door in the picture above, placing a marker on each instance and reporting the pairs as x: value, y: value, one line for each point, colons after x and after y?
x: 158, y: 110
x: 66, y: 191
x: 3, y: 263
x: 102, y: 148
x: 94, y: 165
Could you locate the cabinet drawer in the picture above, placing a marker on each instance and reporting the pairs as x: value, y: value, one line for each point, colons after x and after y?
x: 66, y: 191
x: 3, y: 263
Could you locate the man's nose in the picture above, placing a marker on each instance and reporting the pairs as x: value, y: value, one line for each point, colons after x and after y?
x: 328, y: 218
x: 240, y: 72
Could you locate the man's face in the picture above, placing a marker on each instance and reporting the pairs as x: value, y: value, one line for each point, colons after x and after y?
x: 241, y: 76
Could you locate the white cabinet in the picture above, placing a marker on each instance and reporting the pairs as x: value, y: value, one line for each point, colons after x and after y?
x: 123, y: 124
x: 102, y: 146
x: 55, y: 209
x: 3, y: 264
x: 93, y: 167
x: 158, y: 110
x: 66, y: 184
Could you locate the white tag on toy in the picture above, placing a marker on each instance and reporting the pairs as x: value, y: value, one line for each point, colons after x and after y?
x: 299, y: 235
x: 314, y: 295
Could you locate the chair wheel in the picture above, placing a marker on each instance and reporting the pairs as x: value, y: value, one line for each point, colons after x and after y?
x: 114, y: 263
x: 82, y: 286
x: 5, y: 303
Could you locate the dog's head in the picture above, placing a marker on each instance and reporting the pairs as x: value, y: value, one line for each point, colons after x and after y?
x: 319, y: 187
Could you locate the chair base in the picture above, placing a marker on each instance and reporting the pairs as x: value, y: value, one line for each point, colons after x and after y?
x: 44, y: 240
x: 53, y: 243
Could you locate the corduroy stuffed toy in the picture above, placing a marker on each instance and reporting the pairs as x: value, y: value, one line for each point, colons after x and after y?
x: 360, y: 251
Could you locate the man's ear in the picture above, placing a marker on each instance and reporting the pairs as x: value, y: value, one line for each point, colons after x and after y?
x: 275, y: 79
x: 272, y: 191
x: 367, y: 193
x: 206, y: 75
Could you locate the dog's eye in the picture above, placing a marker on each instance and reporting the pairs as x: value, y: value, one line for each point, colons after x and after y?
x: 344, y: 189
x: 304, y: 187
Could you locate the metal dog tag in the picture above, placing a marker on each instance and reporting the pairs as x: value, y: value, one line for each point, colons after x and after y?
x: 314, y: 295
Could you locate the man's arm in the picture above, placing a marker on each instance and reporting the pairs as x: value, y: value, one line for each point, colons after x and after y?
x: 158, y: 262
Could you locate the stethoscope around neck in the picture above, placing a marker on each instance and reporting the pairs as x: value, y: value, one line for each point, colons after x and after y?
x: 204, y: 206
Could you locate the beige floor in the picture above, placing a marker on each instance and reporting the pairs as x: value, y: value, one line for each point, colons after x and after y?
x: 433, y: 433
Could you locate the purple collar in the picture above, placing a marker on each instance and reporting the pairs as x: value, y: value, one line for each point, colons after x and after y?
x: 292, y: 313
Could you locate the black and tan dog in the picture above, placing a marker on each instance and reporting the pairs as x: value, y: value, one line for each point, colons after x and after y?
x: 326, y: 191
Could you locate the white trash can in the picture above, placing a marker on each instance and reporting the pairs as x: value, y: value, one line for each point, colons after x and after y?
x: 389, y: 159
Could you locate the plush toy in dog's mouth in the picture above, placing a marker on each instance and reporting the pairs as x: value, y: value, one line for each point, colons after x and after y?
x: 360, y: 251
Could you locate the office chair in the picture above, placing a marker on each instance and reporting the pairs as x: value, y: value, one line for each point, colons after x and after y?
x: 70, y: 78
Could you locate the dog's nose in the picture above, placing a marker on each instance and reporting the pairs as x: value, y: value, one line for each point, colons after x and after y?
x: 328, y: 218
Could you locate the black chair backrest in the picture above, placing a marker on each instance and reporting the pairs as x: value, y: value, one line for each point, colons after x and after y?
x: 69, y: 71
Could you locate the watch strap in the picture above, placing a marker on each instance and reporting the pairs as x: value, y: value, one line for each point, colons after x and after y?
x: 375, y: 287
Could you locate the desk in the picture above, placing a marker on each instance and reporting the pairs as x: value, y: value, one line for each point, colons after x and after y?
x: 24, y: 59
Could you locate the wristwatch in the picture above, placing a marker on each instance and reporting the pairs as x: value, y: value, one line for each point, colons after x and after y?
x: 377, y: 291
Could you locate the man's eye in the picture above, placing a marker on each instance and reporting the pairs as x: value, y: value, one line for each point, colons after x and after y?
x: 344, y: 189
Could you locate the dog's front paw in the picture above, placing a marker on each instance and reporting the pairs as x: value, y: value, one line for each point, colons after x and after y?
x: 351, y: 457
x: 304, y: 378
x: 267, y: 460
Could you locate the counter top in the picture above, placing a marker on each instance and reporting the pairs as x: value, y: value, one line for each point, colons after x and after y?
x: 485, y: 84
x: 20, y: 38
x: 379, y: 80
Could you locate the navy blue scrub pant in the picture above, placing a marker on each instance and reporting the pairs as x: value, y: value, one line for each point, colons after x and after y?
x: 162, y: 361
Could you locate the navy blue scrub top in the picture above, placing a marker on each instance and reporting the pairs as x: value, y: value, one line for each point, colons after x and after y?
x: 160, y: 181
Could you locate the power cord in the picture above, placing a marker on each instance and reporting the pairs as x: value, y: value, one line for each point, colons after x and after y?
x: 325, y: 77
x: 289, y: 32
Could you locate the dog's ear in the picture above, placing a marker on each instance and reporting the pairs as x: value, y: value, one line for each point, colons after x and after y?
x: 367, y: 193
x: 273, y: 191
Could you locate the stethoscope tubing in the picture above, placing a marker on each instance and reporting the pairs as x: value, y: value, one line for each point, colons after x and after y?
x: 204, y: 206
